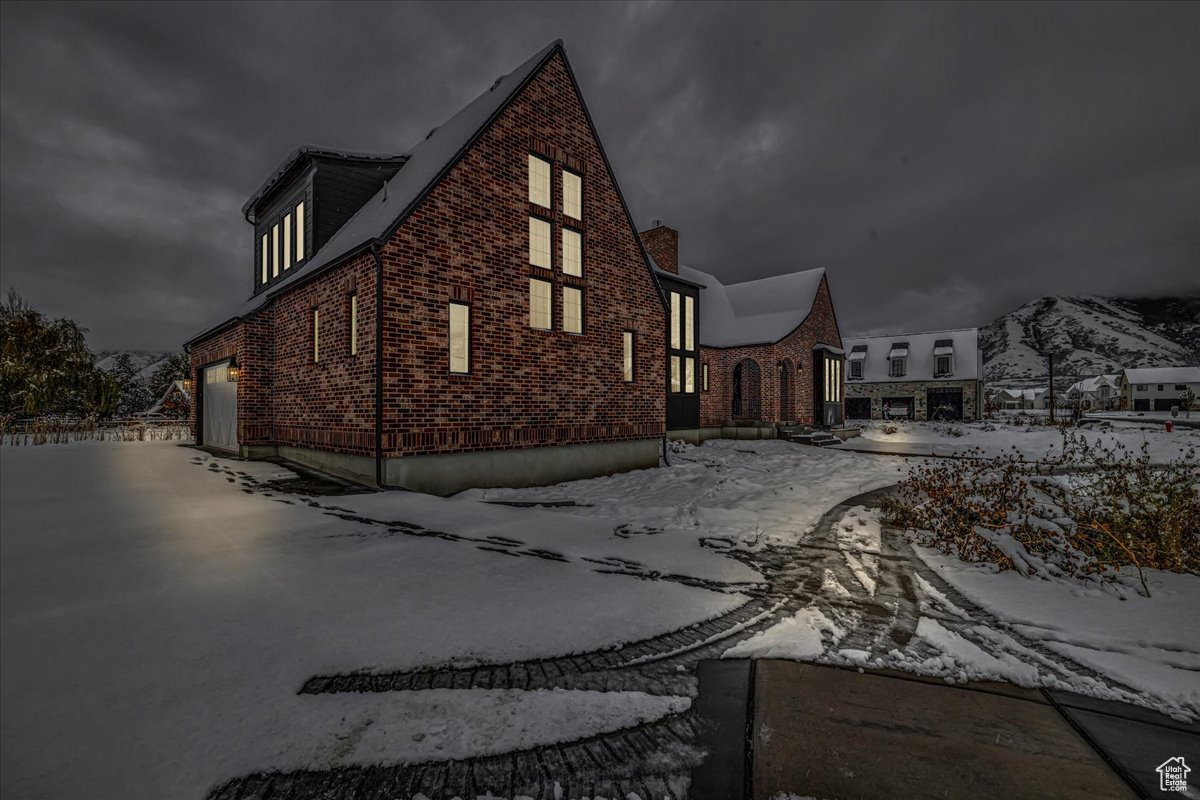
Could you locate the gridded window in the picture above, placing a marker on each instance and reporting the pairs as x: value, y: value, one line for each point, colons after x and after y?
x: 943, y: 365
x: 897, y: 368
x: 572, y: 310
x: 627, y: 356
x: 539, y: 181
x: 676, y: 302
x: 460, y: 337
x: 1141, y: 387
x: 275, y: 250
x: 353, y: 324
x: 287, y: 241
x: 539, y: 304
x: 675, y: 376
x: 299, y: 231
x: 539, y: 242
x: 689, y: 374
x: 572, y: 263
x: 689, y: 323
x: 856, y: 369
x: 572, y: 195
x: 266, y: 260
x: 316, y: 336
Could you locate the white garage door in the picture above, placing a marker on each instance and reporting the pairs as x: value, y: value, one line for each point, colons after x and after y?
x: 220, y: 407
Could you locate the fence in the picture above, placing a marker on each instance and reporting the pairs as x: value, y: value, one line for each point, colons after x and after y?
x: 61, y: 430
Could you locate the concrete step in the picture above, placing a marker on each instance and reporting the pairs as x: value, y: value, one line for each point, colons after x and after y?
x: 819, y: 439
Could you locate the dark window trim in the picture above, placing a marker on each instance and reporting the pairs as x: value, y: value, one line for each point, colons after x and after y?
x: 264, y: 228
x: 582, y: 192
x: 704, y: 376
x: 633, y: 361
x: 529, y: 244
x: 450, y: 342
x: 549, y: 160
x: 583, y: 322
x: 543, y: 278
x: 352, y: 342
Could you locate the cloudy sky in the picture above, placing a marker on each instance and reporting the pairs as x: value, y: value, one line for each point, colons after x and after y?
x: 945, y: 163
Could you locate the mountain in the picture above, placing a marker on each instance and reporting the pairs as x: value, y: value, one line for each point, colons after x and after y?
x: 144, y: 360
x: 1090, y: 336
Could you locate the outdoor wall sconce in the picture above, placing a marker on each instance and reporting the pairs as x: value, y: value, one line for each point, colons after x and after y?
x: 187, y: 385
x: 235, y: 371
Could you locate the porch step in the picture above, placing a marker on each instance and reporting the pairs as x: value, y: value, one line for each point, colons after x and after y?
x: 816, y: 439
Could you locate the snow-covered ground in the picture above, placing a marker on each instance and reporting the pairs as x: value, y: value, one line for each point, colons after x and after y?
x: 157, y: 621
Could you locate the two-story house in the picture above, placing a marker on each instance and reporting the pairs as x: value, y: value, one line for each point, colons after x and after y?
x: 1098, y: 393
x: 477, y: 310
x: 1159, y: 388
x: 933, y: 375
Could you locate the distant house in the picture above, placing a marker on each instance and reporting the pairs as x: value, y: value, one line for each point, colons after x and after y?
x: 1158, y: 388
x: 934, y: 375
x: 175, y: 403
x: 1015, y: 399
x: 1100, y: 393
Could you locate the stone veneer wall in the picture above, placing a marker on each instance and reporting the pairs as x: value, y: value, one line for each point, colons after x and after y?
x: 915, y: 390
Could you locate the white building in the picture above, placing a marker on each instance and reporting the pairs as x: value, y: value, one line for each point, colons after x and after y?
x: 1101, y: 393
x: 1158, y: 388
x: 934, y: 375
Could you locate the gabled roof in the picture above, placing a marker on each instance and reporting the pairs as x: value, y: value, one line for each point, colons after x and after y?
x: 1094, y: 383
x: 424, y: 166
x: 305, y: 153
x: 920, y: 354
x: 1163, y: 375
x: 753, y: 312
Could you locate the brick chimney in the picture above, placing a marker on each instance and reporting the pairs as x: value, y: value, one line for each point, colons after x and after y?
x: 662, y: 243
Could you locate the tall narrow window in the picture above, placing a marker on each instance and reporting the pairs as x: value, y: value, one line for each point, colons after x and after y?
x: 675, y: 303
x: 627, y: 356
x: 689, y: 323
x: 572, y: 252
x: 354, y: 324
x: 539, y: 304
x: 539, y: 181
x: 689, y: 374
x: 675, y: 382
x: 287, y: 241
x: 275, y: 250
x: 316, y: 336
x: 572, y: 195
x: 704, y: 377
x: 460, y: 337
x: 539, y: 242
x: 265, y: 259
x: 572, y: 310
x: 299, y: 231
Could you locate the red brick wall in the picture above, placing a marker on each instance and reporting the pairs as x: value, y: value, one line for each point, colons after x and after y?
x: 819, y: 328
x: 248, y: 342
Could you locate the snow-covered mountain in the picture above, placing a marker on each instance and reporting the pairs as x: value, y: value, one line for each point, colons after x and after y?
x: 144, y: 360
x: 1090, y: 336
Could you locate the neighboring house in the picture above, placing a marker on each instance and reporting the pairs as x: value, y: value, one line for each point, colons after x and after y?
x: 1101, y: 393
x: 1158, y: 388
x: 475, y: 311
x: 935, y: 375
x: 1020, y: 399
x: 176, y: 402
x: 760, y: 351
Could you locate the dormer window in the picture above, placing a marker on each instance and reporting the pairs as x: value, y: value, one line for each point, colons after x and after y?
x: 857, y: 357
x: 897, y: 370
x: 856, y: 369
x: 898, y: 360
x: 943, y: 357
x: 282, y: 244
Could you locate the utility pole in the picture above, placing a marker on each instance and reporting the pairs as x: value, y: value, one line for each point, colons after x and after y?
x: 1051, y: 359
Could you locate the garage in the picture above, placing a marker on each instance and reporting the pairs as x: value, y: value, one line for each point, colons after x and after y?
x: 218, y: 401
x: 1165, y: 403
x: 944, y: 404
x: 1141, y: 404
x: 858, y: 408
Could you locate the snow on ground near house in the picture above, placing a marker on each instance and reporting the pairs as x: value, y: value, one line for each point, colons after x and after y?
x: 1032, y: 441
x: 750, y: 492
x: 156, y: 622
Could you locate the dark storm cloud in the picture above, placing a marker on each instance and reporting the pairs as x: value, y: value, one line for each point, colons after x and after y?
x: 943, y: 162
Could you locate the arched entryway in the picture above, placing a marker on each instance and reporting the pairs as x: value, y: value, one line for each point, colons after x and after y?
x: 787, y: 380
x: 747, y: 388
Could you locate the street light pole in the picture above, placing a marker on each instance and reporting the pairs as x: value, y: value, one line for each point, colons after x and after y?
x: 1051, y: 359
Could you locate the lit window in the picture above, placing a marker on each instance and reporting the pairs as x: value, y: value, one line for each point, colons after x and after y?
x: 460, y: 337
x: 265, y: 259
x: 689, y: 324
x: 689, y: 374
x: 299, y: 231
x: 627, y: 357
x: 287, y: 241
x: 675, y: 382
x: 572, y: 310
x: 539, y: 304
x: 539, y: 181
x: 275, y: 250
x: 316, y: 335
x: 539, y: 242
x: 675, y: 297
x: 572, y: 195
x: 353, y: 324
x: 704, y: 377
x: 572, y: 252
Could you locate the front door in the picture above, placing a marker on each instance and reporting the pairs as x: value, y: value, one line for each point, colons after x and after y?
x: 827, y: 388
x: 218, y: 401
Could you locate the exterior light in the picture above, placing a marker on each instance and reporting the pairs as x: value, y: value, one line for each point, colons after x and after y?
x: 235, y: 371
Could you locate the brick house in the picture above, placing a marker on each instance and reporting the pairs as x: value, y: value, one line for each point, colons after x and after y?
x: 764, y: 351
x: 475, y: 311
x: 919, y: 376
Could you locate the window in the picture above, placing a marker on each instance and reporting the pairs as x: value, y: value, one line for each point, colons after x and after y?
x: 539, y: 304
x: 299, y: 231
x: 704, y: 377
x: 287, y: 241
x: 856, y: 369
x: 943, y: 365
x: 316, y: 336
x: 1141, y: 387
x: 897, y: 368
x: 265, y: 259
x: 572, y: 263
x: 689, y: 374
x: 539, y: 181
x: 1181, y: 387
x: 539, y: 242
x: 1160, y: 387
x: 275, y: 250
x: 675, y: 303
x: 354, y: 324
x: 689, y: 323
x: 460, y: 337
x: 627, y: 356
x: 572, y: 195
x: 675, y: 382
x: 572, y: 310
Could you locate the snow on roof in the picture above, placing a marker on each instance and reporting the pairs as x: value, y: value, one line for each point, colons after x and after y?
x: 1163, y: 375
x: 921, y: 361
x: 425, y: 164
x: 753, y: 312
x: 309, y: 151
x: 1093, y: 384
